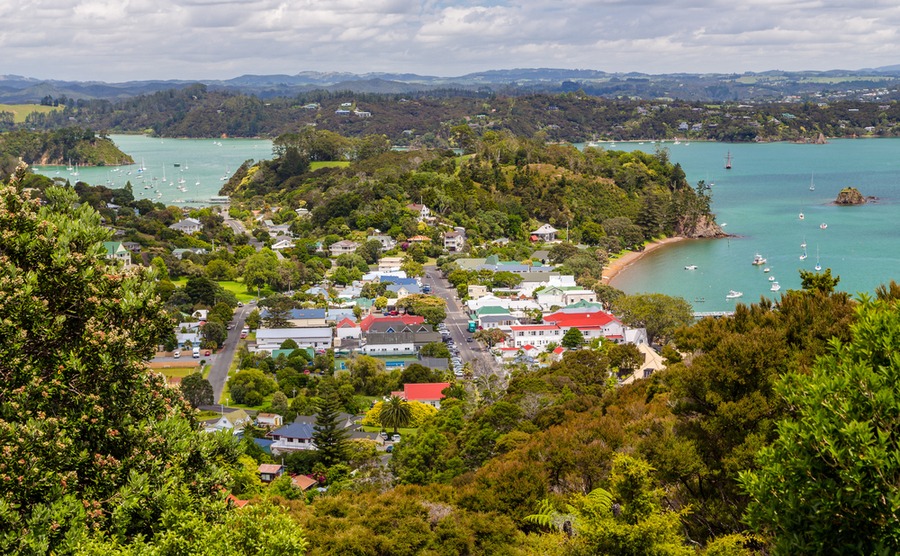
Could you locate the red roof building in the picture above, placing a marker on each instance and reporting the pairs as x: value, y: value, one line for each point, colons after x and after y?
x: 429, y: 392
x: 367, y: 322
x: 592, y: 325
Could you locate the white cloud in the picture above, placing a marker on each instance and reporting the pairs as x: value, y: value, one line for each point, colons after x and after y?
x: 116, y: 40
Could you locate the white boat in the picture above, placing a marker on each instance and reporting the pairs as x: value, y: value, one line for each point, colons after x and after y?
x: 766, y: 270
x: 818, y: 266
x: 803, y: 255
x: 775, y: 287
x: 812, y: 186
x: 690, y: 267
x: 758, y: 260
x: 823, y: 225
x: 734, y: 294
x: 801, y: 216
x: 771, y: 278
x: 803, y: 245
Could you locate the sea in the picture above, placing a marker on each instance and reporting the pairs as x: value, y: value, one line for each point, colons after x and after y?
x: 758, y: 202
x: 179, y: 172
x: 767, y: 205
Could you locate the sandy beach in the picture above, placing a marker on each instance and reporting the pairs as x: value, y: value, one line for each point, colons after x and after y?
x: 616, y: 266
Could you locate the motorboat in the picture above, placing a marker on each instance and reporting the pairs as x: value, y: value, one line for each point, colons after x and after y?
x: 767, y: 270
x: 775, y: 287
x: 759, y: 260
x: 690, y: 267
x: 771, y: 278
x: 823, y: 226
x: 732, y: 294
x: 801, y: 216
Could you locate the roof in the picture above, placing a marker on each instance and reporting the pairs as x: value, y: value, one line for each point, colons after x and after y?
x: 270, y: 468
x: 294, y: 430
x: 491, y: 310
x: 367, y: 322
x: 388, y: 279
x: 526, y: 327
x: 424, y: 391
x: 347, y: 323
x: 580, y: 320
x: 419, y: 238
x: 303, y: 482
x: 263, y: 334
x: 300, y: 314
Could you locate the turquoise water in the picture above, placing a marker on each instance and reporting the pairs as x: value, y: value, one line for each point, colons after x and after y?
x: 759, y: 201
x: 202, y: 163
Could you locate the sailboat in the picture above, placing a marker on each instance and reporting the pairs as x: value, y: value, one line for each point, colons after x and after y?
x: 818, y: 266
x: 728, y: 161
x: 803, y: 256
x: 812, y: 186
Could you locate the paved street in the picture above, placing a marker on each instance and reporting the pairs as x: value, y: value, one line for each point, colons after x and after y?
x: 457, y: 320
x: 218, y: 372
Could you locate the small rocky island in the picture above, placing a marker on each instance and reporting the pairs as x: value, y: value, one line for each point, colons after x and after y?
x: 851, y: 196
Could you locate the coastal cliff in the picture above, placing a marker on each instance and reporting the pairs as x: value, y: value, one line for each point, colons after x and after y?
x: 702, y: 227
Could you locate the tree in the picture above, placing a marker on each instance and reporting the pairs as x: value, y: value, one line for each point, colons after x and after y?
x: 196, y: 390
x: 214, y: 333
x: 368, y: 375
x: 573, y: 338
x: 94, y: 444
x: 329, y: 436
x: 625, y: 357
x: 278, y: 311
x: 395, y: 413
x: 660, y: 314
x: 435, y: 349
x: 260, y: 269
x: 201, y: 289
x: 250, y: 386
x: 253, y: 320
x: 830, y: 478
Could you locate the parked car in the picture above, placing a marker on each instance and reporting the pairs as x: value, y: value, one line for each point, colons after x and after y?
x: 196, y: 353
x: 389, y: 449
x: 206, y: 353
x: 240, y: 304
x: 176, y: 354
x: 396, y: 438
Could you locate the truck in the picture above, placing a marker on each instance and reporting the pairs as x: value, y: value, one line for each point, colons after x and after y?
x: 472, y: 326
x: 196, y: 353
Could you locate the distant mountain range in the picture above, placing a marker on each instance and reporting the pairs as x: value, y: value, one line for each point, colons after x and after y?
x: 771, y: 85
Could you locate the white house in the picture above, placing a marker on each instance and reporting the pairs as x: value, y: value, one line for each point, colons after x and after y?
x: 538, y: 335
x: 291, y: 438
x: 455, y: 241
x: 234, y: 421
x: 387, y: 242
x: 389, y: 264
x: 282, y: 244
x: 348, y: 329
x: 117, y: 252
x: 187, y: 226
x: 343, y: 247
x: 422, y: 212
x: 268, y: 339
x: 544, y: 233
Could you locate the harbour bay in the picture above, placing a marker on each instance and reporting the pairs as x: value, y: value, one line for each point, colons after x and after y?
x: 759, y: 202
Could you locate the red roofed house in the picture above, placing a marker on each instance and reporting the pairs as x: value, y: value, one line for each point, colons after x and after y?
x: 418, y: 239
x: 401, y: 320
x: 557, y: 354
x: 592, y: 325
x: 268, y: 472
x: 303, y: 482
x: 346, y: 328
x: 429, y: 392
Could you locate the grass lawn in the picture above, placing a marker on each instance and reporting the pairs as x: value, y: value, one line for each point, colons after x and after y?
x: 313, y: 166
x: 177, y: 371
x: 233, y: 286
x: 19, y: 111
x: 204, y: 415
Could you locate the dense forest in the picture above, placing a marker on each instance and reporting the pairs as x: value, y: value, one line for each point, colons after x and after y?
x: 68, y: 145
x: 427, y: 119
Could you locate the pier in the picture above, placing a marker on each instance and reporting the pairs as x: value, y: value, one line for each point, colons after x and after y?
x: 713, y: 314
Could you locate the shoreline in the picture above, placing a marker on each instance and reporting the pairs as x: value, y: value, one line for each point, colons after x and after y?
x: 618, y: 265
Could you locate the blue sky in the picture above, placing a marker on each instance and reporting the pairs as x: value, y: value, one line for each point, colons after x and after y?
x: 119, y: 40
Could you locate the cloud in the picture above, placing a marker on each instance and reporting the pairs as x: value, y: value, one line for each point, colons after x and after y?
x: 116, y: 40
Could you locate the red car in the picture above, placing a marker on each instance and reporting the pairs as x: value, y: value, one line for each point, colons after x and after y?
x: 206, y: 353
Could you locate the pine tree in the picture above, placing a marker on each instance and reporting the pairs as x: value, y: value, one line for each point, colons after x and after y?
x: 330, y: 437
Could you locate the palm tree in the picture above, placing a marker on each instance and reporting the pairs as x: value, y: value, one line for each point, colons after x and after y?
x: 395, y: 413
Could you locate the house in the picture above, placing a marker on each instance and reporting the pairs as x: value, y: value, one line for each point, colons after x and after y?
x: 115, y: 251
x: 428, y: 392
x: 403, y: 290
x: 348, y: 329
x: 132, y: 246
x: 538, y: 335
x: 455, y: 241
x: 291, y: 438
x: 396, y: 337
x: 596, y: 324
x: 303, y: 482
x: 187, y: 226
x: 422, y: 212
x: 180, y: 253
x: 394, y: 322
x: 285, y: 243
x: 387, y: 242
x: 343, y: 247
x: 276, y: 230
x: 318, y: 338
x: 557, y: 354
x: 269, y: 420
x: 544, y: 233
x: 301, y: 318
x: 268, y: 472
x: 476, y: 291
x: 234, y: 420
x: 390, y: 264
x: 419, y: 239
x: 492, y: 316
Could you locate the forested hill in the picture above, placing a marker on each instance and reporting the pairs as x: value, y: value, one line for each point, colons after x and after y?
x: 426, y: 119
x: 69, y: 145
x: 506, y: 188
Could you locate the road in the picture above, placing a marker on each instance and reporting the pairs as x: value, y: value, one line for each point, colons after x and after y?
x: 236, y: 226
x: 457, y: 320
x: 221, y: 362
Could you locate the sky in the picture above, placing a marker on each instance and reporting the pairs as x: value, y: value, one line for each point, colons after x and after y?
x: 122, y: 40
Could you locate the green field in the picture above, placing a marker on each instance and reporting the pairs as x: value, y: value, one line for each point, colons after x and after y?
x: 235, y: 287
x: 329, y: 164
x: 21, y: 110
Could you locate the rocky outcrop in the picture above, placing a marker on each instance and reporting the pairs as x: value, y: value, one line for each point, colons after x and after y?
x: 702, y: 227
x: 850, y: 196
